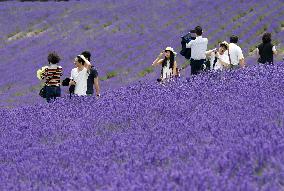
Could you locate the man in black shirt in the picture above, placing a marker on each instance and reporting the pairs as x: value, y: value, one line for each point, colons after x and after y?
x: 93, y: 78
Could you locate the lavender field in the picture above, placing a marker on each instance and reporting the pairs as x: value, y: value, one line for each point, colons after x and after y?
x: 124, y: 36
x: 215, y: 131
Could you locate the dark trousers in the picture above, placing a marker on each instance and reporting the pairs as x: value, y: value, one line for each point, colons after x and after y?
x: 196, y: 66
x: 52, y: 92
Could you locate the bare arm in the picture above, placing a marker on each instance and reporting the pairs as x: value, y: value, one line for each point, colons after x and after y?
x: 274, y: 50
x: 175, y: 68
x: 87, y: 63
x: 97, y: 86
x: 209, y: 52
x: 158, y: 60
x: 72, y: 82
x: 242, y: 62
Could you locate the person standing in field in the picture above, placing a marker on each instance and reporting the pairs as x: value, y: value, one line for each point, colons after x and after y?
x: 235, y: 53
x: 198, y: 49
x: 93, y: 79
x: 51, y: 75
x: 79, y: 75
x: 266, y: 50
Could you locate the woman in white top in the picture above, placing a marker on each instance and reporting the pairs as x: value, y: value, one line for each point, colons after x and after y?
x: 79, y: 75
x: 219, y: 60
x: 169, y: 65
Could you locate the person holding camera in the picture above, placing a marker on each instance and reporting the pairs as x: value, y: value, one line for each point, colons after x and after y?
x: 220, y: 60
x: 51, y: 74
x: 266, y: 50
x: 169, y: 65
x: 198, y: 49
x: 93, y: 79
x: 79, y: 75
x: 235, y: 53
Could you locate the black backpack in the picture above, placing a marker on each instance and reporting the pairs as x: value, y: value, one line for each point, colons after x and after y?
x: 186, y: 52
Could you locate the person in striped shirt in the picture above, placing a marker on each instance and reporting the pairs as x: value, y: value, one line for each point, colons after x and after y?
x: 52, y: 74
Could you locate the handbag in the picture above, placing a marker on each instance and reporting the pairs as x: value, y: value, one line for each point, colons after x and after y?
x: 42, y: 92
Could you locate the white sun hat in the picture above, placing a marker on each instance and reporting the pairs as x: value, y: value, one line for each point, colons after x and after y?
x: 170, y: 49
x: 225, y: 43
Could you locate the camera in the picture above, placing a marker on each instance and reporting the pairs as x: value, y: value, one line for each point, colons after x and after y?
x: 65, y: 82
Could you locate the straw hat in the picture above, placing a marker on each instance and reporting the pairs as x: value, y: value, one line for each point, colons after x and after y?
x: 170, y: 49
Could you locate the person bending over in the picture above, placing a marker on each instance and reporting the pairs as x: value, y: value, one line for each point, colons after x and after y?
x: 220, y: 59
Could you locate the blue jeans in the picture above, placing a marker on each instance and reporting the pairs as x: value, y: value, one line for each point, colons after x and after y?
x: 52, y: 92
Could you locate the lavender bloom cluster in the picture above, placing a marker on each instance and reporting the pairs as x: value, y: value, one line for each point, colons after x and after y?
x: 217, y: 131
x: 124, y: 36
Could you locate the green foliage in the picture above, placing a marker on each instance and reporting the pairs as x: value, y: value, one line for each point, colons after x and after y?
x: 107, y: 24
x: 87, y: 27
x: 109, y: 75
x: 185, y: 64
x: 112, y: 74
x: 18, y: 94
x: 261, y: 17
x: 146, y: 71
x: 13, y: 33
x: 237, y: 17
x: 262, y: 30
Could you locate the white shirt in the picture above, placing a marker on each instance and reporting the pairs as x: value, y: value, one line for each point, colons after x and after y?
x: 236, y: 53
x: 80, y: 77
x: 167, y: 71
x: 224, y: 58
x: 198, y: 48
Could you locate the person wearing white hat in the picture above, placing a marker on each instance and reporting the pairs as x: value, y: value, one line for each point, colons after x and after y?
x: 169, y: 65
x: 80, y: 74
x: 221, y: 60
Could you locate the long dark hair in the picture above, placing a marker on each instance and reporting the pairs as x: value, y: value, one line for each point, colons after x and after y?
x: 266, y: 38
x: 172, y: 60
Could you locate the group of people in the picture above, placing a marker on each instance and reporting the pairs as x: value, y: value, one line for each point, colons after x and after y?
x: 226, y: 56
x: 83, y: 78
